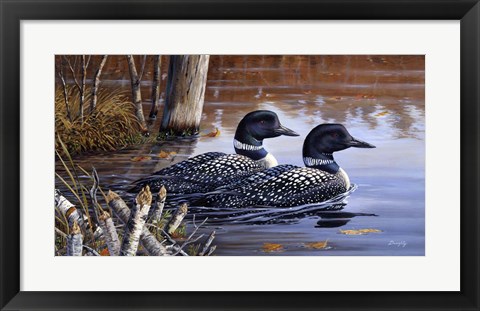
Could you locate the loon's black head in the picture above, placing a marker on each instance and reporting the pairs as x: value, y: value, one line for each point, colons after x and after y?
x: 323, y: 141
x: 261, y: 124
x: 254, y: 128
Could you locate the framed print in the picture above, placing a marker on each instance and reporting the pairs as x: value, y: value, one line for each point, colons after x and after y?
x: 243, y: 155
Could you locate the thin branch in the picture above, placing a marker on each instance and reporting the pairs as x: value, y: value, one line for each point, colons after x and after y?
x: 91, y: 250
x: 189, y: 239
x: 143, y: 68
x: 73, y: 73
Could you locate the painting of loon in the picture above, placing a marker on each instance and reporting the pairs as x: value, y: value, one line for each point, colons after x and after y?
x: 239, y: 155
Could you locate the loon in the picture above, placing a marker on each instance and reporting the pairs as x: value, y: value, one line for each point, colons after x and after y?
x: 287, y: 185
x: 208, y: 171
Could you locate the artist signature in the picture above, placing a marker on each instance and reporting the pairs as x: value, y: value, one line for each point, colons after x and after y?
x: 397, y: 243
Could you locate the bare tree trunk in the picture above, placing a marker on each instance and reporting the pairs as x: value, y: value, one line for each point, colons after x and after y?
x: 155, y: 86
x: 82, y: 89
x: 62, y: 75
x: 96, y: 83
x: 187, y: 78
x: 136, y: 94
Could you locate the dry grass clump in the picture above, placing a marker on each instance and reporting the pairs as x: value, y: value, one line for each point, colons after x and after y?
x: 112, y: 125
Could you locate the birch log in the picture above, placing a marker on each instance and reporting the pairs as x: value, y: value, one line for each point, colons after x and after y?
x: 136, y: 223
x: 68, y: 209
x: 157, y: 210
x: 75, y: 241
x: 136, y: 93
x: 207, y: 244
x: 212, y: 249
x: 148, y: 240
x: 155, y: 86
x: 177, y: 218
x: 110, y: 234
x: 185, y: 93
x: 96, y: 83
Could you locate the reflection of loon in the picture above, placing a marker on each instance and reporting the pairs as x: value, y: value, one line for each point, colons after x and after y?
x: 287, y: 185
x: 210, y: 170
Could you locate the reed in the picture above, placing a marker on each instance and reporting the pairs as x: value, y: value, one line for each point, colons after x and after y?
x: 110, y: 126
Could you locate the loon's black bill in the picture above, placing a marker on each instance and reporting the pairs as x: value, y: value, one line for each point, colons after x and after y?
x: 282, y: 130
x: 357, y: 143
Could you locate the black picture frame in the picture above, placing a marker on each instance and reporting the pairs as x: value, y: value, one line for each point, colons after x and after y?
x: 13, y: 11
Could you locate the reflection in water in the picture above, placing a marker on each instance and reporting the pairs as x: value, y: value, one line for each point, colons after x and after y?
x: 378, y: 98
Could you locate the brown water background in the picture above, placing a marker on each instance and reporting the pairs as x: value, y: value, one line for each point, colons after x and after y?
x: 380, y: 99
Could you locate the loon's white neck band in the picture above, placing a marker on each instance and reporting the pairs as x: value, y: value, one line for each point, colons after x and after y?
x: 242, y: 146
x: 269, y: 161
x: 315, y: 162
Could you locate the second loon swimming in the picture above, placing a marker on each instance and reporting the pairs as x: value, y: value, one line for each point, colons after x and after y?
x: 288, y: 185
x: 210, y: 170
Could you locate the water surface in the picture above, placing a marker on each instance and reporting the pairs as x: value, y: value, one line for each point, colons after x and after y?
x: 379, y: 99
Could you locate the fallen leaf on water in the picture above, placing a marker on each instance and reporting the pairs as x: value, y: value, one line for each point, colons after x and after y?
x: 317, y: 245
x: 365, y: 96
x: 140, y: 158
x: 335, y: 98
x: 214, y: 133
x: 104, y: 252
x: 359, y: 231
x: 272, y: 247
x: 173, y: 152
x: 381, y: 114
x: 163, y: 154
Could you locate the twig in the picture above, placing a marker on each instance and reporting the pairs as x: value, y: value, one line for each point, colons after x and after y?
x: 93, y: 194
x: 91, y: 250
x: 212, y: 249
x: 189, y: 239
x: 207, y: 244
x: 60, y: 232
x: 143, y: 67
x: 174, y: 245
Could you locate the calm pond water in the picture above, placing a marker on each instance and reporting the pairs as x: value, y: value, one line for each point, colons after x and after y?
x: 380, y: 99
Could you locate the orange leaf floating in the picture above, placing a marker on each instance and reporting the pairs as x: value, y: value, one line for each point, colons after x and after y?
x: 215, y: 133
x: 140, y: 159
x: 359, y: 231
x: 317, y: 245
x: 272, y: 247
x: 163, y: 154
x: 381, y: 114
x: 364, y: 96
x: 104, y: 252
